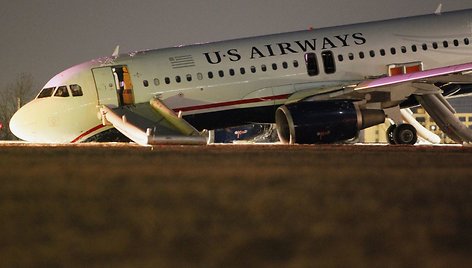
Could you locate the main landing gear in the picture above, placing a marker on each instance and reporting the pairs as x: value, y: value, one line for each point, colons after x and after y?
x: 401, y: 134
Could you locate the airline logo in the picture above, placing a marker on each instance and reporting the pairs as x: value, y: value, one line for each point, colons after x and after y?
x: 185, y: 61
x: 294, y: 47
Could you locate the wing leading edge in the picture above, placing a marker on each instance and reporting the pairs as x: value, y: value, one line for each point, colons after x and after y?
x: 429, y: 76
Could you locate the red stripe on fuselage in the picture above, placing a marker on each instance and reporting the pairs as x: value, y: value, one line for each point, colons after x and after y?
x: 87, y: 133
x: 199, y: 107
x: 230, y: 103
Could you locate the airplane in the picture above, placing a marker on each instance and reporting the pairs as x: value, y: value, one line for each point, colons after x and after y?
x: 317, y: 86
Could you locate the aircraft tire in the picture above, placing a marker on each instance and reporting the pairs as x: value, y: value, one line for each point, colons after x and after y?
x: 389, y: 134
x: 405, y: 134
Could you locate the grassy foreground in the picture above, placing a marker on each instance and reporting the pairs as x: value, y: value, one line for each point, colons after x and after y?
x: 235, y: 206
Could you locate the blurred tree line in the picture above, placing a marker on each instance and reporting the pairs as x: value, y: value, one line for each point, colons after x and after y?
x: 13, y: 96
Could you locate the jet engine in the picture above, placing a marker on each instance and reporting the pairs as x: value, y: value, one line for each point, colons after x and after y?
x: 323, y: 121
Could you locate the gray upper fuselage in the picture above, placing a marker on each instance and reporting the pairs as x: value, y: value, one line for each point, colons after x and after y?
x: 181, y: 74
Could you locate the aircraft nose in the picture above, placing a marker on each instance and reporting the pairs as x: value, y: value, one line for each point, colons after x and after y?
x: 22, y: 124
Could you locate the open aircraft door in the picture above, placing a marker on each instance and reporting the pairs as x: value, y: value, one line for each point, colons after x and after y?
x: 114, y: 86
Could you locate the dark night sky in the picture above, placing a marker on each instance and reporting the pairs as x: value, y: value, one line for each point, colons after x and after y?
x: 45, y: 37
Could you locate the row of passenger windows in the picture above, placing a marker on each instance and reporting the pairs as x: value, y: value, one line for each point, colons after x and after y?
x: 311, y: 62
x: 222, y: 73
x: 404, y: 49
x: 61, y: 91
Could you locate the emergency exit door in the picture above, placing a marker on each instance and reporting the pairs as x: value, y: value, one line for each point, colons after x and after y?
x: 113, y: 85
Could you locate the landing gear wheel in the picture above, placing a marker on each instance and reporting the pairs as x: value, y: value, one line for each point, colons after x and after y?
x: 389, y: 133
x: 404, y: 134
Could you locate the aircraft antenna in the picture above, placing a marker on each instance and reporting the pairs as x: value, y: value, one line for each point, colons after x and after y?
x: 438, y: 10
x: 116, y: 52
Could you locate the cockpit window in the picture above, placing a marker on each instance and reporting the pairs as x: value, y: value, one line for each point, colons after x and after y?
x: 62, y: 92
x: 46, y: 92
x: 76, y: 90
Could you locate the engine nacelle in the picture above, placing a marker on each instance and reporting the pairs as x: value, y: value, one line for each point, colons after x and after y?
x: 323, y: 121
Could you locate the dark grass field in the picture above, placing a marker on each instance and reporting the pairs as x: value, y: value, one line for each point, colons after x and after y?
x: 235, y: 206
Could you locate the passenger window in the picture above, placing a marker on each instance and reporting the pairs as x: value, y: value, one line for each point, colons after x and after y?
x: 189, y: 77
x: 156, y: 82
x: 414, y: 48
x: 231, y: 72
x: 393, y: 51
x: 253, y: 69
x: 178, y: 79
x: 167, y: 80
x: 264, y: 67
x: 372, y: 53
x: 46, y: 92
x: 328, y: 62
x: 456, y: 42
x: 221, y: 74
x: 311, y: 64
x: 62, y: 92
x: 274, y: 66
x: 295, y: 63
x: 466, y: 41
x: 145, y: 83
x: 199, y: 76
x: 445, y: 44
x: 76, y: 90
x: 351, y: 56
x: 435, y: 45
x: 340, y: 57
x: 242, y: 70
x: 285, y: 65
x: 361, y: 55
x: 382, y: 52
x: 210, y: 75
x: 403, y: 48
x: 425, y: 47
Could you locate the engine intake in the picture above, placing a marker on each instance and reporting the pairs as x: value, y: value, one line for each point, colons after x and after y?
x: 323, y: 121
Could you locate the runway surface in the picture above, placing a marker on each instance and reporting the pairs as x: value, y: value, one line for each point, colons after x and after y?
x: 121, y: 205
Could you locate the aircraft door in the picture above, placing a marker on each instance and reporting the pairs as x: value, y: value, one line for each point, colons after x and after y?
x: 114, y: 85
x: 124, y: 85
x: 106, y: 86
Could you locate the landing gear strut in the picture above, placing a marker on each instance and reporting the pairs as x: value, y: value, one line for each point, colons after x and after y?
x: 402, y: 134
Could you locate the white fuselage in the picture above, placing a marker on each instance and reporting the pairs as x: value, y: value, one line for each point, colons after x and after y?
x: 244, y: 75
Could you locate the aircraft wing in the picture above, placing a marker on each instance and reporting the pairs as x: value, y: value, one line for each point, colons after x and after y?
x: 454, y: 73
x: 398, y: 87
x: 389, y: 91
x: 151, y: 124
